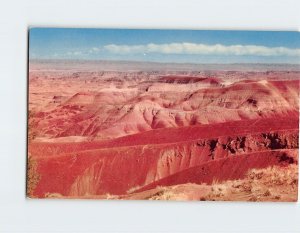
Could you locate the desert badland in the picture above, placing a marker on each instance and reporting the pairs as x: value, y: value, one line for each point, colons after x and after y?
x: 117, y: 130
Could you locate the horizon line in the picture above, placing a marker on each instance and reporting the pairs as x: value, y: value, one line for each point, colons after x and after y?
x: 159, y: 62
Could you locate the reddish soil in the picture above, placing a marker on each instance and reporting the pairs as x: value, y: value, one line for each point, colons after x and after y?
x: 125, y: 133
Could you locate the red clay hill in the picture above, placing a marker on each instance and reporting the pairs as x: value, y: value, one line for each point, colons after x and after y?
x: 163, y: 134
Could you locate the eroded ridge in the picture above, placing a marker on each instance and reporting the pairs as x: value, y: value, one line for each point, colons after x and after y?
x: 163, y: 135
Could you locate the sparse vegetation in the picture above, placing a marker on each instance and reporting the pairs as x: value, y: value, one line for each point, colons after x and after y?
x: 275, y: 183
x: 33, y: 176
x: 31, y: 132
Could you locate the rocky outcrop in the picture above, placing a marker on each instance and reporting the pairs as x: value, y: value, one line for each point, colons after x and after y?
x: 119, y: 168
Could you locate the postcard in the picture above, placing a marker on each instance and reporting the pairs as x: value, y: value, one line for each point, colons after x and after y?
x: 186, y: 115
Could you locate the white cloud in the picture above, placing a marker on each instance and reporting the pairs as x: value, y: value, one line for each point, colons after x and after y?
x: 74, y: 53
x: 94, y: 50
x: 202, y: 49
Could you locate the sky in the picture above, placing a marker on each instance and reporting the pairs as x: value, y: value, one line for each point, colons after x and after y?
x: 179, y: 46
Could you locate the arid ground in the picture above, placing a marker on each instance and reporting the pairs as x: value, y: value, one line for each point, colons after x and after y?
x: 128, y: 131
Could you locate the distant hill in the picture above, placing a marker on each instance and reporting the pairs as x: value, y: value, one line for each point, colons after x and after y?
x: 98, y: 65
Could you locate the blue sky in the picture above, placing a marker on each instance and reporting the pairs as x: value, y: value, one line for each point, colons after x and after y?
x: 192, y: 46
